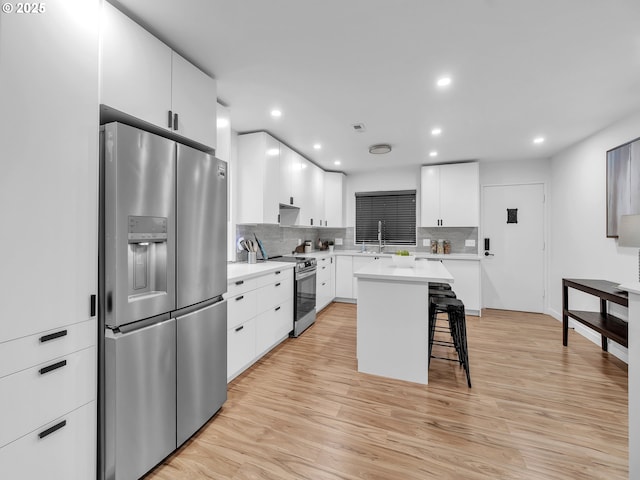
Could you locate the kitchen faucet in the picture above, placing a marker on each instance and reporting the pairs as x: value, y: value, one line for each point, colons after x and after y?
x: 380, y: 241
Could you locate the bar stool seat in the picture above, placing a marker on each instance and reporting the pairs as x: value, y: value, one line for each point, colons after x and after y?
x: 454, y: 308
x: 439, y: 286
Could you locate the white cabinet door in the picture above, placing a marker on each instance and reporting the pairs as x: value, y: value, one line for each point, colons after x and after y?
x: 135, y: 68
x: 257, y: 179
x: 466, y: 275
x: 344, y: 276
x: 450, y: 195
x: 334, y: 199
x: 223, y: 135
x: 324, y: 283
x: 460, y: 195
x: 193, y: 101
x: 50, y: 180
x: 317, y: 196
x: 358, y: 263
x: 285, y: 182
x: 430, y: 196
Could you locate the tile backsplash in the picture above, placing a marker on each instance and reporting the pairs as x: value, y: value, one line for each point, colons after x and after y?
x: 279, y: 240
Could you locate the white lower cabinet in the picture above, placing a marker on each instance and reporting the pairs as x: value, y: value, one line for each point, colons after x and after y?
x: 259, y: 317
x: 241, y: 347
x: 325, y: 281
x: 56, y: 451
x: 466, y: 275
x: 344, y: 276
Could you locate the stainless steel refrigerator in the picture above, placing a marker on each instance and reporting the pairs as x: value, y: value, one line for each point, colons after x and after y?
x: 162, y: 266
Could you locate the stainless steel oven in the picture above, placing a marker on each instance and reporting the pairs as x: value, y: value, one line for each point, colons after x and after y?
x: 304, y: 292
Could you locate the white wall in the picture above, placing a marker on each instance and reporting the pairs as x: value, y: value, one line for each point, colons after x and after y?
x: 387, y: 179
x: 579, y: 246
x: 515, y: 171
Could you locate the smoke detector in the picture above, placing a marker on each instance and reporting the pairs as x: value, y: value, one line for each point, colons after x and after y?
x: 380, y: 149
x: 358, y: 127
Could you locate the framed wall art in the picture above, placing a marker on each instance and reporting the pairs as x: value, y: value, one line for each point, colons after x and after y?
x: 623, y: 184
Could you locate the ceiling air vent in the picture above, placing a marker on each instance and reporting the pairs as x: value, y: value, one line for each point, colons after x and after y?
x: 358, y: 127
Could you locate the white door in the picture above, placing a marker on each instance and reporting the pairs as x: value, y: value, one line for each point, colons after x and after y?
x: 513, y: 266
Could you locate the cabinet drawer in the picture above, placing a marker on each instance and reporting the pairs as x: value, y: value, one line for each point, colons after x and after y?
x: 241, y: 286
x: 241, y: 347
x: 25, y: 352
x: 323, y: 273
x: 274, y: 277
x: 241, y: 308
x: 30, y: 398
x: 274, y: 294
x: 273, y: 325
x: 68, y: 452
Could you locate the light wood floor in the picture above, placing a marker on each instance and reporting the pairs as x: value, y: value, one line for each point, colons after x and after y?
x: 537, y: 410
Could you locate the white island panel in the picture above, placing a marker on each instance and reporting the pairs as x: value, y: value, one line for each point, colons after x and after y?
x: 392, y: 319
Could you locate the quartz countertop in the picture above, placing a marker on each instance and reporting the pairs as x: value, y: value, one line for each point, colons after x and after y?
x: 243, y: 270
x: 423, y: 271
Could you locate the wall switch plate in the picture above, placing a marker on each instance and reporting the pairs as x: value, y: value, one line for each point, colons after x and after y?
x: 338, y: 241
x: 470, y: 243
x: 426, y: 242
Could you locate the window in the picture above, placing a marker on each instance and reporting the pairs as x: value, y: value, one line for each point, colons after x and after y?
x: 397, y: 212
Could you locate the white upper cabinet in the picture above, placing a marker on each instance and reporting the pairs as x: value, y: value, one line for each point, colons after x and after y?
x: 223, y: 127
x: 143, y: 78
x: 288, y: 162
x: 257, y: 171
x: 450, y: 195
x: 334, y: 186
x: 193, y: 102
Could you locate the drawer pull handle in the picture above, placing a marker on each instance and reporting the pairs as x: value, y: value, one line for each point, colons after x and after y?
x: 278, y: 272
x: 239, y: 328
x: 324, y: 283
x: 239, y: 282
x: 53, y: 336
x: 277, y: 308
x: 239, y: 298
x: 50, y: 430
x: 278, y: 284
x: 53, y: 367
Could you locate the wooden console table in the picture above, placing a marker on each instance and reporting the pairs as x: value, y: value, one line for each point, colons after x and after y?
x: 607, y: 325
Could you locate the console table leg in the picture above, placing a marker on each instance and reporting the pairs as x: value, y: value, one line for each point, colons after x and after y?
x: 603, y: 311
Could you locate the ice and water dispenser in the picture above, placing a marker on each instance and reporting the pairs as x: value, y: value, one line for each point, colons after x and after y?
x: 147, y: 256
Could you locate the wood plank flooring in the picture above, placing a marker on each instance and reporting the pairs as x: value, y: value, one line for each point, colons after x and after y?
x: 537, y: 410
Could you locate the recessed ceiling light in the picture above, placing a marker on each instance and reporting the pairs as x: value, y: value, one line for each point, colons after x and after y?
x: 444, y: 82
x: 436, y: 131
x: 276, y: 113
x: 337, y: 162
x: 317, y: 146
x: 433, y: 153
x: 538, y: 140
x: 222, y: 122
x: 272, y: 152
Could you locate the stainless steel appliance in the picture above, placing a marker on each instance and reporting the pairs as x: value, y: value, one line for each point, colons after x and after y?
x: 304, y: 292
x: 162, y: 276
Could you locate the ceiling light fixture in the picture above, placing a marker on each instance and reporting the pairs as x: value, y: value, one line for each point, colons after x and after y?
x: 337, y: 162
x: 317, y: 146
x: 433, y: 153
x: 276, y: 113
x: 380, y: 149
x: 538, y: 140
x: 444, y: 82
x: 436, y: 131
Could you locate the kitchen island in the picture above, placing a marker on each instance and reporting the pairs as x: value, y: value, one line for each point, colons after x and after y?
x: 392, y: 320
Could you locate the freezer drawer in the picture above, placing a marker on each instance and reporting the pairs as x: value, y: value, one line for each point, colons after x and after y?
x: 140, y: 399
x: 202, y: 367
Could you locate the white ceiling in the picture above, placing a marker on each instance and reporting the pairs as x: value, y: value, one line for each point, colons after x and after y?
x: 562, y: 69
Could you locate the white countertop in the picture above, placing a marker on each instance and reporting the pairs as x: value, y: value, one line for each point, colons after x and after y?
x: 243, y: 270
x: 358, y: 253
x: 423, y: 271
x: 633, y: 287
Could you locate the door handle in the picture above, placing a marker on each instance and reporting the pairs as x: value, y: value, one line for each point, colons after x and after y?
x: 487, y: 254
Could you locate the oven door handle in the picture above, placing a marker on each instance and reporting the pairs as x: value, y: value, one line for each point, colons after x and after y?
x: 303, y: 275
